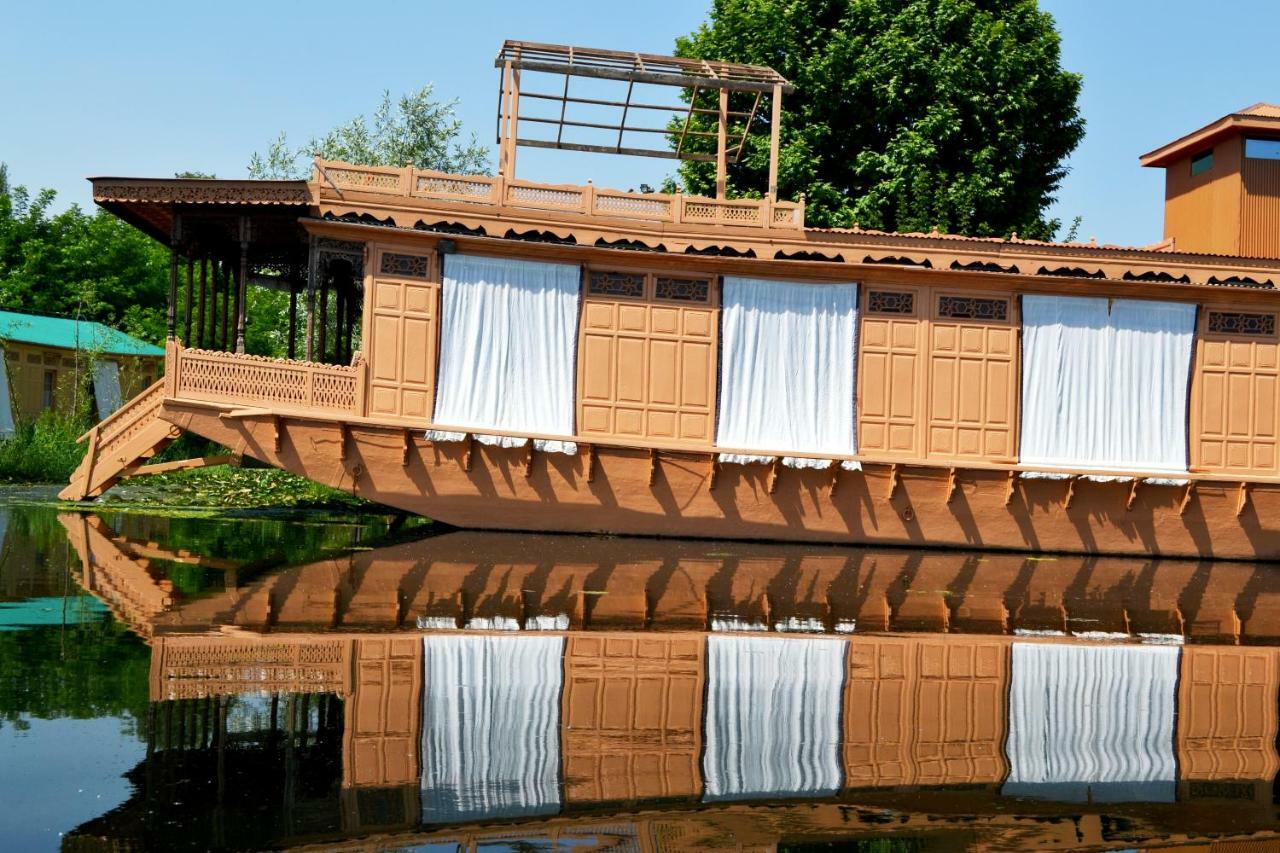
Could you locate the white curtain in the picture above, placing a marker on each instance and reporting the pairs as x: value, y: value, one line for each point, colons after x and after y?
x: 491, y: 726
x: 106, y: 387
x: 787, y: 364
x: 1092, y: 723
x: 508, y: 331
x: 772, y: 717
x: 6, y: 399
x: 1104, y: 383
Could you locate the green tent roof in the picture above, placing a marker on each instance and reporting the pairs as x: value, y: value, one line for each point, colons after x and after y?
x: 71, y: 334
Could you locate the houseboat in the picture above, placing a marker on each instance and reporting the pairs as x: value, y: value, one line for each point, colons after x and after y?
x: 498, y: 353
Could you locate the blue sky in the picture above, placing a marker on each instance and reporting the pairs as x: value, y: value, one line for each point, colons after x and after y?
x: 148, y: 89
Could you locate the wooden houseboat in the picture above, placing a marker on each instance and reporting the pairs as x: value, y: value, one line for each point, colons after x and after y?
x: 498, y: 353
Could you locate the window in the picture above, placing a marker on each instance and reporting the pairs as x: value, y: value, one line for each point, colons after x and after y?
x: 1261, y: 149
x: 1202, y: 162
x: 973, y: 308
x: 891, y: 302
x: 47, y: 389
x: 1242, y: 323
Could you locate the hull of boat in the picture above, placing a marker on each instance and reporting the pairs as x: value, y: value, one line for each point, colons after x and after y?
x: 638, y: 492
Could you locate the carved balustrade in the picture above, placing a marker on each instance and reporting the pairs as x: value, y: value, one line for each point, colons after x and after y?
x: 587, y: 200
x: 221, y: 377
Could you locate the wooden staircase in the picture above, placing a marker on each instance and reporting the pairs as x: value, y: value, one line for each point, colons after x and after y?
x: 134, y: 433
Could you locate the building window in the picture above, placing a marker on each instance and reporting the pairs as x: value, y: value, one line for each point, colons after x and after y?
x: 1202, y: 162
x: 891, y: 302
x: 1262, y: 149
x: 406, y: 266
x: 1242, y: 323
x: 47, y: 389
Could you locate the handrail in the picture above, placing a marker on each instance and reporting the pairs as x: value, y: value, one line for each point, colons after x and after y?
x: 587, y: 200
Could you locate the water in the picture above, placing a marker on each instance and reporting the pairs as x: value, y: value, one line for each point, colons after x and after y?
x: 255, y: 683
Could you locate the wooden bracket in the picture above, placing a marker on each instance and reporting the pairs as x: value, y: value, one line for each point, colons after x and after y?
x: 1133, y: 494
x: 1071, y: 491
x: 342, y: 442
x: 591, y: 463
x: 1242, y: 499
x: 407, y: 436
x: 952, y: 485
x: 653, y: 466
x: 713, y: 475
x: 1010, y: 487
x: 895, y: 480
x: 467, y: 451
x: 528, y: 459
x: 836, y: 468
x: 1187, y: 494
x: 773, y: 474
x: 277, y: 434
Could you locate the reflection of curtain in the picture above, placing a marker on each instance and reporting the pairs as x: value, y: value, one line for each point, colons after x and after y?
x: 787, y: 363
x: 1104, y: 384
x: 772, y: 717
x: 491, y: 726
x: 106, y: 387
x: 6, y: 400
x: 1092, y: 722
x: 507, y: 337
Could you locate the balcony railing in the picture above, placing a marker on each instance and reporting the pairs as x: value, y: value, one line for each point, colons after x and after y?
x: 588, y: 200
x: 221, y: 377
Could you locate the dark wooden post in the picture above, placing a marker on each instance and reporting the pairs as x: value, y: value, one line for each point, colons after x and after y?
x: 293, y: 314
x: 339, y: 320
x: 191, y: 285
x: 241, y: 308
x: 324, y: 318
x: 353, y: 305
x: 204, y: 283
x: 313, y: 273
x: 226, y: 306
x: 174, y: 237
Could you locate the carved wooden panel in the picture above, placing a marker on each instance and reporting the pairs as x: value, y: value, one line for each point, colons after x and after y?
x: 925, y: 711
x: 383, y: 716
x: 1227, y: 716
x: 402, y: 346
x: 889, y: 375
x: 633, y: 716
x: 973, y: 381
x: 646, y: 366
x: 1234, y: 396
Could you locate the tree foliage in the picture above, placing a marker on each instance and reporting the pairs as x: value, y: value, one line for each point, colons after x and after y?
x: 75, y: 264
x: 907, y: 115
x: 416, y: 129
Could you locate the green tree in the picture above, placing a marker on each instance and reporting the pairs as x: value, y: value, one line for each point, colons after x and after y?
x: 416, y: 129
x: 74, y: 264
x: 907, y: 115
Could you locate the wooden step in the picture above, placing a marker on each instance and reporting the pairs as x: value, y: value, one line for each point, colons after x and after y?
x: 134, y: 433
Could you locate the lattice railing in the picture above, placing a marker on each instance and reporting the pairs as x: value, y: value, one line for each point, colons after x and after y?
x: 276, y: 382
x: 336, y: 178
x: 186, y: 667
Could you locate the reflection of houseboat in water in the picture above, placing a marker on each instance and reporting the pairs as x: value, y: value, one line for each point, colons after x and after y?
x: 622, y: 688
x: 494, y: 352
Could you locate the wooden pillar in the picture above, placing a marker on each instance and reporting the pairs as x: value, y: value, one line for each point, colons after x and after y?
x: 339, y: 319
x: 515, y: 122
x: 226, y: 306
x: 722, y: 145
x: 200, y: 318
x: 505, y: 104
x: 313, y: 273
x: 243, y: 295
x: 775, y: 130
x: 191, y: 297
x: 172, y: 317
x: 353, y: 306
x: 293, y: 315
x: 322, y: 344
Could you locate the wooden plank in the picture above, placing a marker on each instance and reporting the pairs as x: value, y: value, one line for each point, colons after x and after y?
x: 182, y: 465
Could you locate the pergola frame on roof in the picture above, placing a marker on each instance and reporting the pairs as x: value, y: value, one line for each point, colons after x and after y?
x: 695, y: 75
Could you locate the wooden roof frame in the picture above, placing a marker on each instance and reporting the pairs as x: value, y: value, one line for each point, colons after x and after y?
x: 1238, y: 123
x: 630, y: 68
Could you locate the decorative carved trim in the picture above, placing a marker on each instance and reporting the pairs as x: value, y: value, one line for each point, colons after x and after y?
x: 629, y: 285
x: 1242, y: 323
x: 891, y: 302
x: 973, y: 308
x: 405, y: 266
x: 683, y: 289
x: 202, y: 191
